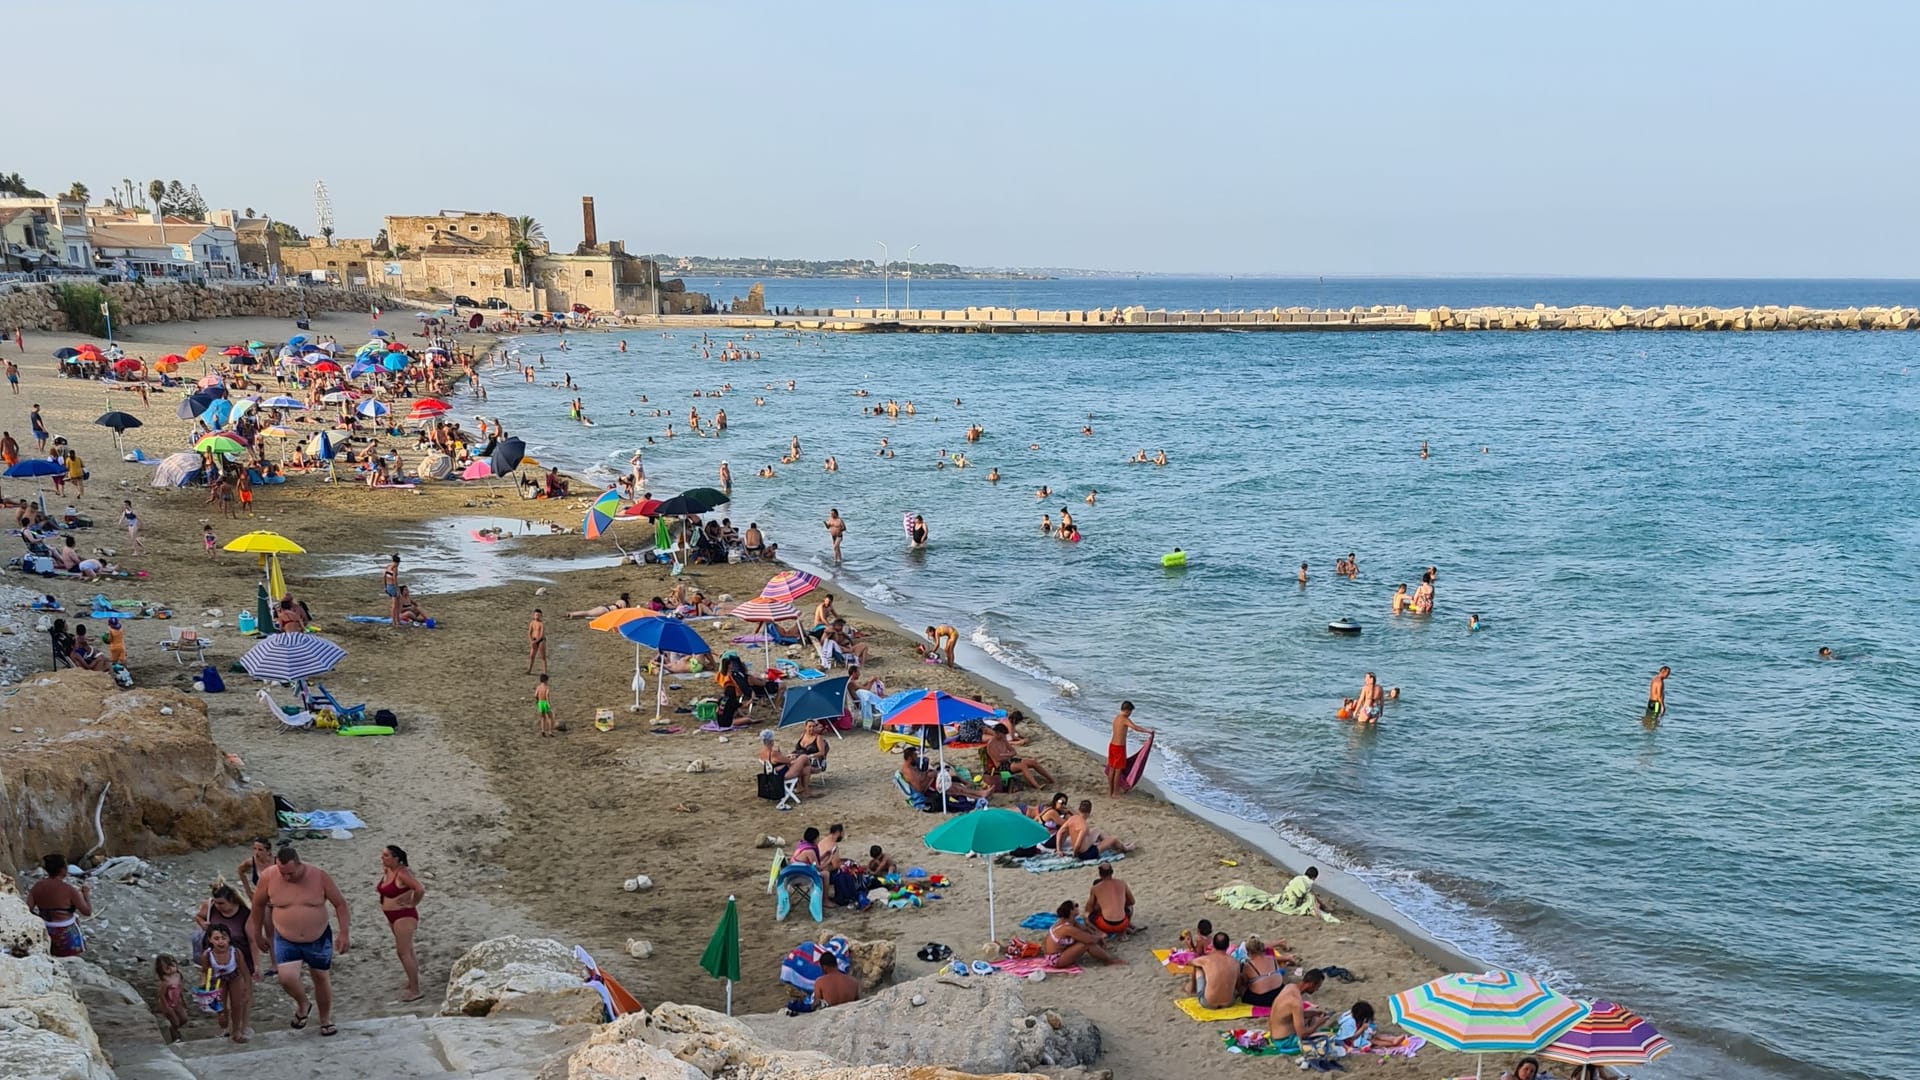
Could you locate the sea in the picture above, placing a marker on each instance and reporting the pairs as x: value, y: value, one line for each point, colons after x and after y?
x: 1744, y: 873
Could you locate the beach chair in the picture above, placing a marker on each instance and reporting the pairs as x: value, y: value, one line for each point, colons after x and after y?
x: 893, y: 740
x: 186, y: 640
x: 787, y: 785
x: 290, y: 719
x: 317, y: 694
x: 914, y: 799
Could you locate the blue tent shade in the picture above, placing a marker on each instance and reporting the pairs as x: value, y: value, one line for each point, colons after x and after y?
x: 216, y: 413
x: 823, y: 699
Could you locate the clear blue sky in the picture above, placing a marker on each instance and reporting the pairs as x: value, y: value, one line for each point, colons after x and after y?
x: 1669, y: 139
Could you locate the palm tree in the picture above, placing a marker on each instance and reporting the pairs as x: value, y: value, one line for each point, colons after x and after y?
x: 524, y: 232
x: 77, y: 191
x: 156, y: 191
x: 380, y: 240
x: 328, y: 233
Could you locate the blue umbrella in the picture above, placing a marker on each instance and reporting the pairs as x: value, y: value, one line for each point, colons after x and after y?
x: 297, y: 339
x: 321, y: 447
x: 44, y: 467
x: 65, y: 354
x: 663, y: 635
x: 373, y: 408
x: 379, y: 333
x: 361, y: 367
x: 394, y: 362
x: 282, y: 401
x: 310, y: 347
x: 291, y: 657
x: 216, y: 413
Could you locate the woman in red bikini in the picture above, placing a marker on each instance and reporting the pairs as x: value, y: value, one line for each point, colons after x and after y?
x: 400, y: 894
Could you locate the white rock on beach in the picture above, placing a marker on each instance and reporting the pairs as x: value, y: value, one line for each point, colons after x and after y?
x: 523, y: 977
x: 638, y: 949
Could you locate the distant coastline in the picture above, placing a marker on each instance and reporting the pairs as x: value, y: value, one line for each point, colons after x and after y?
x: 738, y: 267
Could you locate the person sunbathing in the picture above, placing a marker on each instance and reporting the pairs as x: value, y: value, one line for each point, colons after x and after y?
x: 602, y: 609
x: 1003, y: 758
x: 1080, y: 839
x: 1068, y: 942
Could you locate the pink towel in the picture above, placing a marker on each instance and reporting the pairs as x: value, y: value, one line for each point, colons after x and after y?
x: 1028, y: 965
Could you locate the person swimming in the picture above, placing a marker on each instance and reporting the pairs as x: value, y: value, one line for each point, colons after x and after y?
x: 1656, y: 698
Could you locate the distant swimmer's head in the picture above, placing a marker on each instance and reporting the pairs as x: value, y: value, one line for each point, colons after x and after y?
x: 1826, y: 653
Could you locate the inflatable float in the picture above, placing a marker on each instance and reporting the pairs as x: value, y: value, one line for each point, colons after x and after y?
x: 1344, y: 626
x: 1174, y: 559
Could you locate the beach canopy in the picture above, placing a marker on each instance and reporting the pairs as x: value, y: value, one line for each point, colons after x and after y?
x: 118, y: 421
x: 36, y: 467
x: 789, y: 585
x: 722, y: 956
x: 1499, y: 1012
x: 988, y: 832
x: 175, y: 469
x: 665, y: 635
x: 600, y: 514
x: 264, y: 542
x: 1608, y: 1035
x: 291, y: 657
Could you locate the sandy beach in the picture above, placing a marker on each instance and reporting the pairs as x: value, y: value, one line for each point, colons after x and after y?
x: 516, y: 834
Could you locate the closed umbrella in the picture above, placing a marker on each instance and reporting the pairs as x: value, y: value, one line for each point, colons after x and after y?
x: 790, y: 585
x: 291, y: 657
x: 1608, y: 1035
x: 1499, y: 1012
x: 662, y: 635
x: 987, y: 833
x: 722, y: 956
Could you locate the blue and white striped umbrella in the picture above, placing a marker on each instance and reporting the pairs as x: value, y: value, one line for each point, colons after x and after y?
x: 291, y: 657
x: 373, y: 408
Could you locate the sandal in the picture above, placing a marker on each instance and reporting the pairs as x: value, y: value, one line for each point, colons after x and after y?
x: 329, y: 1029
x: 300, y: 1018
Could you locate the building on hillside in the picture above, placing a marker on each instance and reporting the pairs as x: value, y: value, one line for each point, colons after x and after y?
x: 466, y: 230
x: 176, y: 248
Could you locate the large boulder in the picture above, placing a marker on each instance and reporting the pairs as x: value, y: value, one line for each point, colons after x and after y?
x: 44, y: 1030
x: 871, y: 964
x: 521, y: 977
x: 977, y: 1025
x: 173, y: 791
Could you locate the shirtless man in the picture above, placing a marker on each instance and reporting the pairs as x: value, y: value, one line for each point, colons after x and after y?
x: 944, y: 638
x: 1366, y: 706
x: 1117, y: 746
x: 1290, y: 1021
x: 1214, y: 977
x: 1080, y: 839
x: 289, y: 921
x: 836, y: 529
x: 834, y: 987
x: 1303, y: 575
x: 536, y: 642
x: 1656, y: 698
x: 1401, y: 601
x: 726, y: 478
x: 1110, y: 904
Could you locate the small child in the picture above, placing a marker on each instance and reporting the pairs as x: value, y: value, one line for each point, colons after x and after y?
x: 116, y: 639
x: 1198, y: 940
x: 173, y: 994
x: 543, y: 708
x: 206, y: 537
x: 879, y: 863
x: 221, y: 962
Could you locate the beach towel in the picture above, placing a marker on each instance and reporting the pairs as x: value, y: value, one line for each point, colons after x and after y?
x: 1239, y: 1010
x: 1045, y: 864
x: 1256, y: 1043
x: 1136, y: 767
x: 1039, y: 920
x: 1027, y: 965
x: 1297, y: 899
x: 1179, y: 967
x: 333, y: 819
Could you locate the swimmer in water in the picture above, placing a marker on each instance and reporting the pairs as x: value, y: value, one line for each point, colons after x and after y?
x: 1303, y: 575
x: 1046, y: 525
x: 1043, y: 492
x: 1473, y: 622
x: 1400, y: 599
x: 917, y: 532
x: 993, y: 475
x: 1091, y: 495
x: 1423, y: 449
x: 1656, y: 698
x: 1827, y: 654
x: 1160, y: 458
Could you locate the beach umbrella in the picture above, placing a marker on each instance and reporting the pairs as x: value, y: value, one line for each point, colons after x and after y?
x: 619, y: 617
x: 762, y: 610
x: 722, y: 958
x: 242, y: 408
x: 297, y: 339
x: 119, y: 422
x: 932, y: 709
x: 321, y: 446
x: 195, y: 352
x: 257, y: 345
x: 643, y: 508
x: 326, y: 367
x: 217, y: 413
x: 276, y: 583
x: 219, y: 444
x: 1499, y: 1012
x: 987, y: 833
x: 165, y: 366
x: 245, y: 361
x: 790, y: 585
x: 329, y: 346
x: 212, y: 382
x: 477, y: 469
x: 264, y: 542
x: 233, y: 350
x: 393, y: 362
x: 335, y: 397
x: 127, y: 365
x: 1608, y: 1035
x: 291, y: 657
x: 600, y: 514
x: 65, y: 354
x: 173, y: 470
x: 394, y: 346
x: 662, y: 635
x: 379, y: 333
x: 282, y: 401
x: 508, y: 455
x: 432, y: 403
x: 36, y: 467
x: 371, y: 407
x: 691, y: 502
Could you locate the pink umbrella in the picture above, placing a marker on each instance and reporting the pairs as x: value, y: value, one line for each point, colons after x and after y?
x: 477, y: 469
x: 790, y: 586
x: 763, y: 610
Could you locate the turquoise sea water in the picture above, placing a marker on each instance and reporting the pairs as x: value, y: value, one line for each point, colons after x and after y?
x: 1724, y: 504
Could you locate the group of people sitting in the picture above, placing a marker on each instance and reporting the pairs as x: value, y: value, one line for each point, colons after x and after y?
x: 75, y: 649
x: 1221, y: 974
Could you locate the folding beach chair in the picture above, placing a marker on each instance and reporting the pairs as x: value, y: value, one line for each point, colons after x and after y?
x: 186, y: 640
x: 787, y: 785
x: 317, y: 694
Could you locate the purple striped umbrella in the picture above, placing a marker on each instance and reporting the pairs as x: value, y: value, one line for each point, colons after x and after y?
x: 1609, y: 1035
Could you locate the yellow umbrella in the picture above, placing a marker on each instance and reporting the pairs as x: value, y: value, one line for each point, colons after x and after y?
x: 618, y: 617
x: 276, y: 581
x: 280, y: 431
x: 263, y: 542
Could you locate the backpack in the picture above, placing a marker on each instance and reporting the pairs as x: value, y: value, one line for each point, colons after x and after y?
x: 210, y: 679
x: 385, y: 718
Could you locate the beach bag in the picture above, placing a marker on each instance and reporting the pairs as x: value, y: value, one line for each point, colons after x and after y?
x: 770, y: 786
x: 385, y: 718
x: 210, y: 679
x: 1021, y: 949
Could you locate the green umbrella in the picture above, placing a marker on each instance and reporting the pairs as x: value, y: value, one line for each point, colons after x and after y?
x: 987, y: 832
x: 219, y: 444
x: 722, y: 958
x: 263, y: 610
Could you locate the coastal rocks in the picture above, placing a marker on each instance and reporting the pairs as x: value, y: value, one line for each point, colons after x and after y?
x: 521, y: 977
x: 754, y: 304
x: 44, y: 1030
x: 172, y: 790
x: 978, y: 1026
x: 871, y: 964
x: 36, y: 307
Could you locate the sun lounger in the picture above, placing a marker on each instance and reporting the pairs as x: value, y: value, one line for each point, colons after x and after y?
x: 318, y: 694
x: 186, y: 640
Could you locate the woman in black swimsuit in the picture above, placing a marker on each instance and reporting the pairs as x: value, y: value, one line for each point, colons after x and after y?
x: 812, y: 746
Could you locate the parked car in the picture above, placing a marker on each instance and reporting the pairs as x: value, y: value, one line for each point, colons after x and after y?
x: 465, y: 301
x: 494, y: 303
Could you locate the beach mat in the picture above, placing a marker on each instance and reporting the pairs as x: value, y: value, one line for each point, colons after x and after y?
x: 1237, y: 1011
x: 1027, y: 965
x: 1046, y: 864
x: 1254, y: 1043
x: 1165, y: 956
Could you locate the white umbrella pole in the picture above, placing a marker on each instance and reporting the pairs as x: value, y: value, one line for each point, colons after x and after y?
x: 637, y: 681
x: 659, y: 686
x: 991, y: 935
x: 729, y: 997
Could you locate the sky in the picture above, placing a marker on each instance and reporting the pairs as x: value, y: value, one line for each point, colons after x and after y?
x: 1692, y: 139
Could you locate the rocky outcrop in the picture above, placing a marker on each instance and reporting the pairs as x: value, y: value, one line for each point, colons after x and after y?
x: 172, y: 790
x: 44, y: 1030
x: 754, y: 304
x: 521, y: 977
x: 977, y: 1025
x: 35, y: 306
x: 871, y: 964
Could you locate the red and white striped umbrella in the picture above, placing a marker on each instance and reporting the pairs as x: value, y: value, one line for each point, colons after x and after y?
x: 790, y: 586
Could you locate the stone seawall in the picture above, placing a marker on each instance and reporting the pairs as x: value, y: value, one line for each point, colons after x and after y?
x: 1137, y: 319
x: 36, y: 306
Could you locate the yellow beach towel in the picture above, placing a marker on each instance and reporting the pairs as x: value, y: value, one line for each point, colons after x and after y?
x: 1165, y: 957
x: 1192, y: 1007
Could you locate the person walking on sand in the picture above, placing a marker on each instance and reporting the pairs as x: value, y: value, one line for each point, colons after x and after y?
x: 400, y: 894
x: 39, y: 430
x: 1117, y: 746
x: 537, y: 642
x: 289, y: 920
x: 1656, y: 698
x: 543, y: 707
x: 836, y: 528
x: 132, y: 521
x: 13, y: 377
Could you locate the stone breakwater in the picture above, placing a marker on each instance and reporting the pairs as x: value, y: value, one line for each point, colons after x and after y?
x: 36, y: 306
x: 1379, y: 317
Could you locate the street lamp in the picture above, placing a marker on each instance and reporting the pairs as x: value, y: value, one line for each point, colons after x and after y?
x: 910, y: 252
x: 886, y: 283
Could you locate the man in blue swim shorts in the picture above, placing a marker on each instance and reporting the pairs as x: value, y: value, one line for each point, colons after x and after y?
x: 294, y: 897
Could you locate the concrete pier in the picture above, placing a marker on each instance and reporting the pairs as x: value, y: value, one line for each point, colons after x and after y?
x: 998, y: 320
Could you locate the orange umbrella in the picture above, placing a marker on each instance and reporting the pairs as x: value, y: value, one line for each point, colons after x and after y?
x: 196, y: 352
x: 618, y: 617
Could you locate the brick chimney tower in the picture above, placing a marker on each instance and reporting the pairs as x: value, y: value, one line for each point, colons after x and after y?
x: 586, y: 216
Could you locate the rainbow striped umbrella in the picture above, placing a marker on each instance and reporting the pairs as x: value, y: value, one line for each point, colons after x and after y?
x: 1609, y: 1035
x: 762, y: 610
x: 790, y: 586
x: 1500, y: 1012
x: 601, y: 513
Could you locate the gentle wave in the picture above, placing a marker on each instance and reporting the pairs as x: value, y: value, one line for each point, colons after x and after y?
x: 1016, y: 659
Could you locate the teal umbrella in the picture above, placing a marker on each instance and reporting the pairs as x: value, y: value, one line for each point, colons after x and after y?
x: 987, y: 832
x: 722, y: 958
